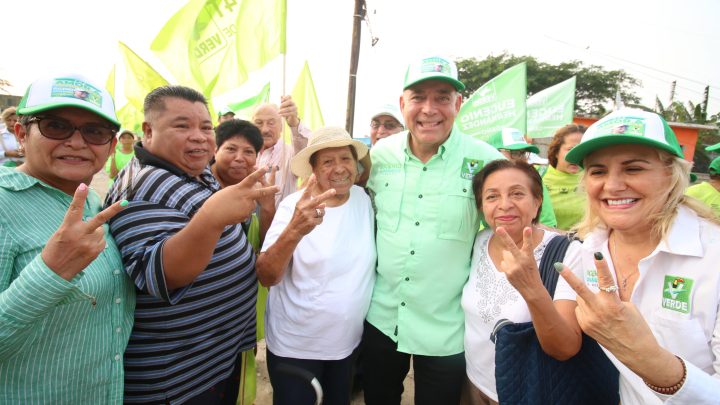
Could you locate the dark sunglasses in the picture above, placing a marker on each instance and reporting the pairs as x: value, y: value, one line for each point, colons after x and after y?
x: 60, y: 129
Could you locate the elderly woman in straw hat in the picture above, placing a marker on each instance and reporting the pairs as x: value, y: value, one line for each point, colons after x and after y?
x: 651, y: 287
x: 319, y: 257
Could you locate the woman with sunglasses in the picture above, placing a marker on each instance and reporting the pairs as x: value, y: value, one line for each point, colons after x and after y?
x: 66, y: 305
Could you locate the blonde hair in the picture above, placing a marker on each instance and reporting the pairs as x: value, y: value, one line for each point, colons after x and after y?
x: 662, y: 219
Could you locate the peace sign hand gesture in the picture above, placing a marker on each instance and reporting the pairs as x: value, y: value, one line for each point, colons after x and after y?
x: 77, y: 243
x: 519, y: 264
x: 309, y: 210
x: 615, y: 324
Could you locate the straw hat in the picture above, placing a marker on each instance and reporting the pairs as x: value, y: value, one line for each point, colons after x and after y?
x: 323, y: 138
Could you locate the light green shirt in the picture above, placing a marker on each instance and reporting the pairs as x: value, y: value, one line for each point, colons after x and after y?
x: 706, y: 193
x: 547, y: 215
x: 61, y: 342
x: 568, y: 202
x: 426, y: 225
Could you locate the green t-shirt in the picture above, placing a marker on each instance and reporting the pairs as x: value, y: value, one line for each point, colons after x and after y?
x: 706, y: 193
x: 121, y: 159
x: 567, y: 201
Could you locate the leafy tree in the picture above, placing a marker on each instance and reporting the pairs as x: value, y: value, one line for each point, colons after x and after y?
x: 595, y: 86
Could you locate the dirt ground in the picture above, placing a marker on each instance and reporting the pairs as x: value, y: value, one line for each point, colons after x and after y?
x: 264, y: 390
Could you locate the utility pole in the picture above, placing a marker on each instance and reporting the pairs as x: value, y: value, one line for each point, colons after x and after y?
x: 358, y: 17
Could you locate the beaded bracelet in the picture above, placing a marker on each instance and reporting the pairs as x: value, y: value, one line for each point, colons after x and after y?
x: 672, y: 389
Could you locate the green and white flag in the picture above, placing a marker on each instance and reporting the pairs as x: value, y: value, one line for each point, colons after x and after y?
x: 550, y: 109
x: 244, y: 109
x: 498, y: 104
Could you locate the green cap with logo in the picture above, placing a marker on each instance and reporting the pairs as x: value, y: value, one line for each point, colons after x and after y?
x: 626, y: 127
x: 714, y: 167
x: 511, y: 139
x: 68, y: 91
x: 434, y: 67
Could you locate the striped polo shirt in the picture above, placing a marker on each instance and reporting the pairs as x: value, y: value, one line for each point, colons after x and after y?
x: 61, y: 342
x: 184, y: 340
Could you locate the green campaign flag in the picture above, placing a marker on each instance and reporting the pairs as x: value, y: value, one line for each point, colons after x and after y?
x: 110, y: 82
x: 245, y: 108
x: 131, y: 118
x: 550, y: 109
x: 140, y: 77
x: 306, y: 100
x: 195, y: 42
x: 498, y: 104
x: 260, y: 34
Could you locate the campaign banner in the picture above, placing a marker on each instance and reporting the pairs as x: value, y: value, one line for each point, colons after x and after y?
x: 498, y: 104
x: 550, y: 109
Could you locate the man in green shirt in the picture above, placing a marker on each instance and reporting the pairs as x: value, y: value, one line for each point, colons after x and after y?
x: 426, y: 224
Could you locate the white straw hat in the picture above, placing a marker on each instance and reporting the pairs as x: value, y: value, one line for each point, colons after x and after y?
x: 323, y: 138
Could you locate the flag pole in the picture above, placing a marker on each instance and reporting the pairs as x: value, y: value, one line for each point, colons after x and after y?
x: 354, y: 58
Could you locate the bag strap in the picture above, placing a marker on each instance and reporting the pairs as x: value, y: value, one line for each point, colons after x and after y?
x: 554, y: 252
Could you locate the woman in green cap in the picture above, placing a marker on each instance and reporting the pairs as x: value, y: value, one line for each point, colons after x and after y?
x: 649, y: 288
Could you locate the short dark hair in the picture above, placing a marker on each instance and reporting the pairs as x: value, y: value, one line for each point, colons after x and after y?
x: 236, y: 128
x: 313, y: 157
x: 536, y: 187
x: 155, y: 100
x: 559, y: 139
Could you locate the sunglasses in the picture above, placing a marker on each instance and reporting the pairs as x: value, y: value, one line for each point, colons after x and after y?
x: 387, y: 125
x: 60, y: 129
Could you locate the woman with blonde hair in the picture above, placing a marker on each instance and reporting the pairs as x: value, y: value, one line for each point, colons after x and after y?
x: 650, y: 288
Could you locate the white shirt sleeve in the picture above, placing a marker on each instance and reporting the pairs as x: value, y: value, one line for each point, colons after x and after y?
x: 573, y: 260
x: 282, y: 217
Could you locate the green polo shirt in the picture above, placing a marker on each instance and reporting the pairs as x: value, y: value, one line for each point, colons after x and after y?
x: 706, y: 193
x: 426, y: 226
x: 61, y: 342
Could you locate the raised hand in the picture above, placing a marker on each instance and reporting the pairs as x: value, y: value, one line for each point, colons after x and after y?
x: 235, y: 204
x: 288, y: 110
x: 309, y: 210
x: 615, y: 324
x: 77, y: 243
x: 519, y: 264
x: 267, y: 200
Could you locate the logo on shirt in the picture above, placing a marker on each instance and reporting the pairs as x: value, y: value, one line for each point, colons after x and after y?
x: 591, y: 277
x: 676, y: 293
x: 470, y: 167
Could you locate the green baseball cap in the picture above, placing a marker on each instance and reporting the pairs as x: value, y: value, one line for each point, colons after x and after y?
x: 713, y: 147
x: 626, y: 127
x: 511, y: 139
x: 714, y: 167
x: 68, y: 91
x: 434, y: 67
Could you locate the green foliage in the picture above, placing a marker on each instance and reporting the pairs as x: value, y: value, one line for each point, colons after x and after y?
x: 595, y: 88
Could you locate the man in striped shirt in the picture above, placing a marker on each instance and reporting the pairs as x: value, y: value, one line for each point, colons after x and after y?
x: 183, y: 246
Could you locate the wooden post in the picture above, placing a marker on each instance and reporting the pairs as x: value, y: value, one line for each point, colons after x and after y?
x: 358, y: 16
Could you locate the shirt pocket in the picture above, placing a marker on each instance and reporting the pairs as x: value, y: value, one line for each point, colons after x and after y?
x: 458, y: 217
x: 683, y: 337
x: 387, y: 208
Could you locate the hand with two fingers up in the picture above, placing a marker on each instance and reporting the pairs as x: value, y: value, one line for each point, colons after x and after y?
x: 309, y: 210
x: 518, y: 263
x: 621, y: 328
x: 77, y: 243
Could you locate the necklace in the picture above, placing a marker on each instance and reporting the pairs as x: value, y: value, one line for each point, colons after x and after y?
x: 623, y: 282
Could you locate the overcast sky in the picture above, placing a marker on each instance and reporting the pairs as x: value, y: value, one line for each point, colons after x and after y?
x: 656, y: 41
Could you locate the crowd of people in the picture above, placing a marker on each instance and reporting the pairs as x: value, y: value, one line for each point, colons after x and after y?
x: 353, y: 263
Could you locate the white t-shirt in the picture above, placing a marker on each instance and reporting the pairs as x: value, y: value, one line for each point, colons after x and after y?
x: 678, y: 293
x: 317, y: 310
x: 487, y: 298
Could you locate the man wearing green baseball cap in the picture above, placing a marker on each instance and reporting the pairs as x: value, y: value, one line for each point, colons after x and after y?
x: 426, y: 224
x: 709, y: 191
x: 511, y: 143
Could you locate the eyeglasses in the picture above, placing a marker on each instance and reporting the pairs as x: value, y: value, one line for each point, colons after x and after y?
x: 59, y: 129
x: 389, y: 125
